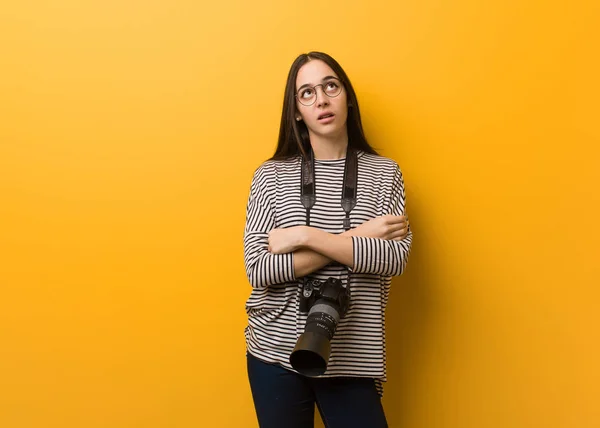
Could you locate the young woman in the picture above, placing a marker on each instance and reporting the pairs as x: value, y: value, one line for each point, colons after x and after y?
x: 359, y: 237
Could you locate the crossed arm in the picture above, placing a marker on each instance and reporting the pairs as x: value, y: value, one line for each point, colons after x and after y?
x: 313, y: 248
x: 276, y: 256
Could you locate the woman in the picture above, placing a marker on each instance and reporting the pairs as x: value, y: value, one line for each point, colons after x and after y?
x: 306, y: 219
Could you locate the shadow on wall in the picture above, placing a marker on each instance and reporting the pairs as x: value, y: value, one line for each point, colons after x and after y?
x: 408, y: 320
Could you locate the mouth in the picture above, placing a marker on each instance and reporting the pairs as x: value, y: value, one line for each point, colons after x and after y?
x: 326, y: 117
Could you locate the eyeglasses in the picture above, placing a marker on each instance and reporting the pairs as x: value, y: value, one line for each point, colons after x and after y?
x: 308, y: 95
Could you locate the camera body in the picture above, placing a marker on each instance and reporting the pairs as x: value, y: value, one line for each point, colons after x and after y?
x: 332, y: 291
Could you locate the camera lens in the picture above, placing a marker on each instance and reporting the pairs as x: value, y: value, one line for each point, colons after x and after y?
x: 311, y: 353
x: 322, y: 319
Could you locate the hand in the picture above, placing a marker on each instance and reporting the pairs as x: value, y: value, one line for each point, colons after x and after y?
x: 389, y: 227
x: 288, y: 240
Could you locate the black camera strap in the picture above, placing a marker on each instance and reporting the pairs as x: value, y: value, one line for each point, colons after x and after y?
x: 349, y: 194
x: 307, y: 191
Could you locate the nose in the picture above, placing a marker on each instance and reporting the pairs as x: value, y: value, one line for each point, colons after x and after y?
x: 322, y: 99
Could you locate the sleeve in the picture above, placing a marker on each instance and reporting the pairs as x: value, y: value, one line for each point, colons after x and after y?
x: 380, y: 256
x: 263, y: 268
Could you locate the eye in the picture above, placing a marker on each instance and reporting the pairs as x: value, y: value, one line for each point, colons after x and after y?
x: 332, y: 85
x: 332, y: 88
x: 307, y: 93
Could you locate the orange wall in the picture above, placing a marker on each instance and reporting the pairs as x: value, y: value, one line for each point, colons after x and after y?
x: 129, y: 132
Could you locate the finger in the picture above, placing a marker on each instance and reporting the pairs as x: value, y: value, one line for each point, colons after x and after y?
x: 399, y: 235
x: 397, y: 227
x: 395, y: 219
x: 392, y: 219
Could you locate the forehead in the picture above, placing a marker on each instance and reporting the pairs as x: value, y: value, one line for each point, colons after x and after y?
x: 313, y: 73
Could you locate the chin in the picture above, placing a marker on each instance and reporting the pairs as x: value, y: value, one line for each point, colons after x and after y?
x: 328, y: 130
x: 326, y: 134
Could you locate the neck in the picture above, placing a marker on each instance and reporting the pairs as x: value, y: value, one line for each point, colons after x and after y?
x: 329, y: 148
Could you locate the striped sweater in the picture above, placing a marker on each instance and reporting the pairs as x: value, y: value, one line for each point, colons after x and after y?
x: 274, y: 319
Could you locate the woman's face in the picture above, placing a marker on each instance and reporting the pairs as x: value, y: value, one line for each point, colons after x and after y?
x: 327, y: 116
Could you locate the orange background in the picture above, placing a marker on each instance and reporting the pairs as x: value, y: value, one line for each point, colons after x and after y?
x: 129, y: 132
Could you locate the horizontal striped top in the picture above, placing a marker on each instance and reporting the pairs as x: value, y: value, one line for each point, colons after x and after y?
x: 274, y: 319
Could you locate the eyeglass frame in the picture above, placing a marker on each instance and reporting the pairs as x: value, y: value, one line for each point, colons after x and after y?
x: 314, y: 88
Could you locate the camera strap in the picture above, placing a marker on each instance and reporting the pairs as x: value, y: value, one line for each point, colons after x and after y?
x: 349, y: 194
x: 307, y: 191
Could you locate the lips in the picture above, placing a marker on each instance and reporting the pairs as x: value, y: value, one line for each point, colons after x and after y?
x: 325, y: 116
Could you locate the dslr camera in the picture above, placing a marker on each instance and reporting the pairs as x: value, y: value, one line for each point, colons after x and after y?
x: 326, y: 303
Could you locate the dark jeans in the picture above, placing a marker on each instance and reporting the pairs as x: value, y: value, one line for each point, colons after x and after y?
x: 284, y: 399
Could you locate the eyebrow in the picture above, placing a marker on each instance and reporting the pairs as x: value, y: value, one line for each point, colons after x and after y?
x: 322, y: 81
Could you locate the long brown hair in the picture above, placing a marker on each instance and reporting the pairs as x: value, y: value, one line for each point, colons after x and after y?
x: 293, y: 135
